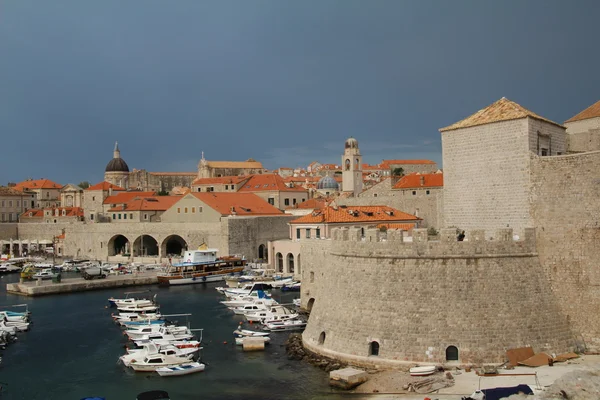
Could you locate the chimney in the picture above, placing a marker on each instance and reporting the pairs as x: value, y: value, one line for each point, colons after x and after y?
x: 232, y: 210
x: 422, y: 180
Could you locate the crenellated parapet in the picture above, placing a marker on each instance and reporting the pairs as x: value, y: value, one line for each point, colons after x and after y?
x: 398, y: 244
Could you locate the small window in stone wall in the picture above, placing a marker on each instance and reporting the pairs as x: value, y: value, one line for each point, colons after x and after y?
x: 312, y: 277
x: 322, y: 338
x: 414, y: 192
x: 374, y: 349
x: 374, y: 194
x: 427, y: 192
x: 451, y: 353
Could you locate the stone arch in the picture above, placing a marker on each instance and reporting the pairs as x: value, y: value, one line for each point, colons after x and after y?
x: 262, y: 252
x: 451, y: 353
x: 322, y: 338
x: 374, y: 348
x: 298, y: 266
x: 173, y: 246
x: 145, y: 246
x: 347, y: 165
x: 310, y: 304
x: 290, y: 263
x: 279, y: 262
x: 119, y: 245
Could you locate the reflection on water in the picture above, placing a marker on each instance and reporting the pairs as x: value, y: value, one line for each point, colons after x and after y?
x: 73, y: 346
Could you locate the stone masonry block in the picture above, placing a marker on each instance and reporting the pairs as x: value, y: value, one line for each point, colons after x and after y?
x: 344, y: 234
x: 476, y: 235
x: 372, y: 235
x: 504, y: 234
x: 420, y: 235
x: 354, y: 234
x: 447, y: 235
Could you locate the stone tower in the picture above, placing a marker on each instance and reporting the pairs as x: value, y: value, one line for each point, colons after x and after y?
x: 352, y: 180
x: 117, y: 170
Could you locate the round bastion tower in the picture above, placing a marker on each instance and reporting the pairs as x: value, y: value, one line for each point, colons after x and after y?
x: 117, y: 170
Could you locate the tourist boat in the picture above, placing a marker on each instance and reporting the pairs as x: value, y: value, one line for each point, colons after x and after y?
x: 422, y: 371
x: 152, y: 362
x: 248, y: 333
x: 287, y: 325
x: 239, y: 341
x: 201, y: 266
x: 274, y: 313
x: 152, y: 348
x: 182, y: 369
x: 153, y: 395
x: 157, y: 331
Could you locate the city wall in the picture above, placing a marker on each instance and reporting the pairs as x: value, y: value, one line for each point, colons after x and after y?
x: 566, y: 210
x: 415, y: 299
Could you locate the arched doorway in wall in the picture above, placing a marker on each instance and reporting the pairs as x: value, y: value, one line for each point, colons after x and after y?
x: 322, y: 338
x: 298, y: 265
x: 279, y: 260
x: 374, y: 348
x: 145, y: 246
x: 119, y: 245
x: 290, y: 263
x: 310, y: 304
x: 173, y: 246
x: 451, y: 353
x: 262, y: 251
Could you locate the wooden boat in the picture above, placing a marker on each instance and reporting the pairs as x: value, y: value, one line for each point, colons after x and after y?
x: 202, y: 266
x: 183, y: 369
x: 422, y: 371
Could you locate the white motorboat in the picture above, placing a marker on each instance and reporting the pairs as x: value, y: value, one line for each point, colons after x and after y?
x: 45, y: 274
x: 10, y: 316
x: 297, y: 302
x: 281, y: 282
x: 9, y: 267
x: 287, y: 325
x: 154, y: 361
x: 422, y: 371
x: 124, y: 318
x: 160, y: 338
x: 8, y: 329
x: 240, y: 340
x: 248, y: 289
x: 183, y: 369
x: 131, y: 301
x: 252, y: 298
x: 273, y: 313
x: 248, y: 333
x: 138, y: 309
x: 138, y: 332
x: 255, y: 306
x: 20, y: 326
x: 151, y: 349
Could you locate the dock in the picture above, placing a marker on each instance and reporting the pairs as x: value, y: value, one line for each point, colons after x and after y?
x: 71, y: 285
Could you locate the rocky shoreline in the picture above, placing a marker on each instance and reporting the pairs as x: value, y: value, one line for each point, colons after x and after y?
x: 296, y: 351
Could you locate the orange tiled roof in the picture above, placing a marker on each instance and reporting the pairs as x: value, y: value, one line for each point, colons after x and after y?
x: 404, y: 227
x: 104, y: 186
x: 39, y: 212
x: 61, y: 236
x: 240, y: 203
x: 8, y: 191
x: 37, y: 184
x: 35, y: 213
x: 501, y: 110
x: 354, y: 214
x: 268, y: 182
x: 221, y: 180
x: 417, y: 180
x: 125, y: 197
x: 592, y: 111
x: 151, y: 203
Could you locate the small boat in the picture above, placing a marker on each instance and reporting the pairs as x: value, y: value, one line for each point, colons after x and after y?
x: 137, y: 317
x: 153, y: 395
x: 140, y: 309
x: 152, y: 362
x: 158, y: 331
x: 9, y: 267
x: 164, y: 339
x: 129, y: 301
x: 288, y: 325
x: 291, y: 287
x: 240, y: 340
x: 297, y: 302
x: 274, y: 313
x: 134, y: 324
x: 151, y: 349
x: 183, y: 369
x: 422, y: 371
x: 44, y: 274
x: 248, y: 333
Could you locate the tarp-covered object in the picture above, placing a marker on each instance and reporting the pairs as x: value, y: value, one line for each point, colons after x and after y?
x: 537, y: 361
x: 519, y: 354
x: 501, y: 392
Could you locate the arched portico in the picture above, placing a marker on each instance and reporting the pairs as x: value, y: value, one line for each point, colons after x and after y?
x: 145, y: 246
x: 173, y: 246
x: 119, y: 245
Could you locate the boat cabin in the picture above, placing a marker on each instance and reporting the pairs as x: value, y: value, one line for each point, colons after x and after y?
x: 200, y: 256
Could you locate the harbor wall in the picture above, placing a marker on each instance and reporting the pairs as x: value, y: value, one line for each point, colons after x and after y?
x: 416, y: 299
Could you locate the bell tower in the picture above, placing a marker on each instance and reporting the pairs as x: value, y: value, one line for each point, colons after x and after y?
x: 352, y: 180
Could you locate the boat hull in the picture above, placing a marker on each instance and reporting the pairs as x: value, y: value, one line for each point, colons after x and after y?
x: 196, y: 278
x: 183, y: 369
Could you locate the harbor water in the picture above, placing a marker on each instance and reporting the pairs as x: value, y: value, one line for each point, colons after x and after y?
x: 72, y: 349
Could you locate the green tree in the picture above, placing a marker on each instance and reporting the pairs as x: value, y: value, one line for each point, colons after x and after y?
x: 84, y: 184
x: 398, y: 171
x: 163, y: 193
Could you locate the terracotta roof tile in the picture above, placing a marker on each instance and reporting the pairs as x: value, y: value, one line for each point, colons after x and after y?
x: 8, y: 191
x: 269, y: 182
x: 39, y: 212
x: 237, y: 203
x: 125, y: 197
x: 416, y: 180
x: 592, y: 111
x: 501, y: 110
x: 37, y: 184
x: 404, y: 227
x: 153, y: 203
x: 355, y: 214
x: 104, y: 186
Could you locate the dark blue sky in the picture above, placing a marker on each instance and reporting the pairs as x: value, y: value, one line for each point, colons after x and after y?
x: 283, y: 82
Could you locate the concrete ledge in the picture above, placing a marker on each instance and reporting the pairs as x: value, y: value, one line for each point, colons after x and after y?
x: 347, y: 378
x: 80, y: 285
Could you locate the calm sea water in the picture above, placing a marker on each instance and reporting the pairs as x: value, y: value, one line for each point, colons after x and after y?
x: 72, y: 349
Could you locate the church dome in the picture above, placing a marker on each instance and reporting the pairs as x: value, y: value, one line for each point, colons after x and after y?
x: 351, y: 143
x: 327, y: 182
x: 117, y: 165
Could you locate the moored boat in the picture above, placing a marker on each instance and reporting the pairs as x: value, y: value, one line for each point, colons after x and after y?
x: 183, y: 369
x: 422, y: 371
x: 152, y: 362
x: 201, y: 266
x: 287, y: 325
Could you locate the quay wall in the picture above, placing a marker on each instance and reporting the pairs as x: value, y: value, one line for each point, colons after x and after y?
x: 415, y: 299
x: 565, y: 207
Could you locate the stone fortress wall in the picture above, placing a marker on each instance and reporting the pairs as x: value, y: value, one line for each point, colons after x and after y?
x: 415, y: 299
